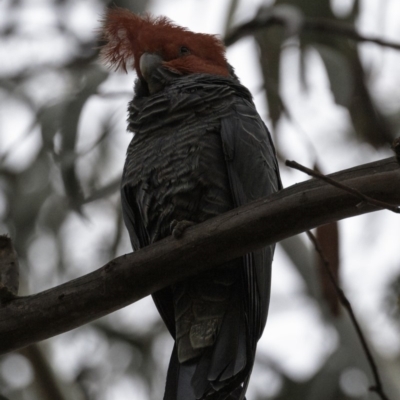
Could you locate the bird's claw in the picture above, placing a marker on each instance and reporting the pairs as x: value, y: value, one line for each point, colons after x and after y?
x: 178, y: 227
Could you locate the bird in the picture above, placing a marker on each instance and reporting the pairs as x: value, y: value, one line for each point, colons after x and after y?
x: 199, y: 149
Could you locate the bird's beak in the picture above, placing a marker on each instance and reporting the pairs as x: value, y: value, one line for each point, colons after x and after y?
x: 148, y: 63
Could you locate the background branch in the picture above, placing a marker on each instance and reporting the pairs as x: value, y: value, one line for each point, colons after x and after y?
x: 307, y: 24
x: 377, y: 388
x: 131, y: 277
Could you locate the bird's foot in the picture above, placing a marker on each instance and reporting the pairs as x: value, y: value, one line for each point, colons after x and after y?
x: 178, y: 227
x: 6, y: 294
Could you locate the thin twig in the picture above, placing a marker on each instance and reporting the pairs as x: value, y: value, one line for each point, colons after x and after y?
x: 377, y: 387
x: 308, y: 24
x: 344, y: 29
x: 354, y: 192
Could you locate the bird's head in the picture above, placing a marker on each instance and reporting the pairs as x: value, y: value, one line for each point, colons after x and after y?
x: 147, y: 43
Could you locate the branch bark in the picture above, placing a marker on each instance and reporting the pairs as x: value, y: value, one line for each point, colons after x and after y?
x: 126, y: 279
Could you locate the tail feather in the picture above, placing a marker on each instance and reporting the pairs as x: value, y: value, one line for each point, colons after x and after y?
x: 223, y: 366
x: 185, y: 388
x: 171, y: 385
x: 199, y: 382
x: 230, y: 349
x: 179, y: 376
x: 219, y: 372
x: 188, y: 381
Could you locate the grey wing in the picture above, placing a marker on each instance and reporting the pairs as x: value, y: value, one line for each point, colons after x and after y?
x: 132, y: 219
x: 253, y: 173
x: 139, y: 238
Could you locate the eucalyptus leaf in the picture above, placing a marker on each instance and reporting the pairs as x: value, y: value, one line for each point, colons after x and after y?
x: 339, y: 73
x: 91, y: 78
x: 290, y: 16
x: 270, y: 45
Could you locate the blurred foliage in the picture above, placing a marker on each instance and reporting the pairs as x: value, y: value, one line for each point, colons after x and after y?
x: 392, y: 300
x: 347, y: 76
x: 60, y: 189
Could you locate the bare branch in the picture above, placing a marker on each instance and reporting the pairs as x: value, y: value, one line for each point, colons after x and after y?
x: 355, y: 192
x: 9, y: 270
x: 45, y: 378
x: 346, y: 30
x: 128, y: 278
x: 377, y: 388
x: 309, y: 24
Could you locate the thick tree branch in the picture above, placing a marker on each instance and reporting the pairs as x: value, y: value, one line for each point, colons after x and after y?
x: 128, y: 278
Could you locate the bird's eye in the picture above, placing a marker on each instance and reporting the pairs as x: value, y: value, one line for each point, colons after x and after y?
x: 184, y: 51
